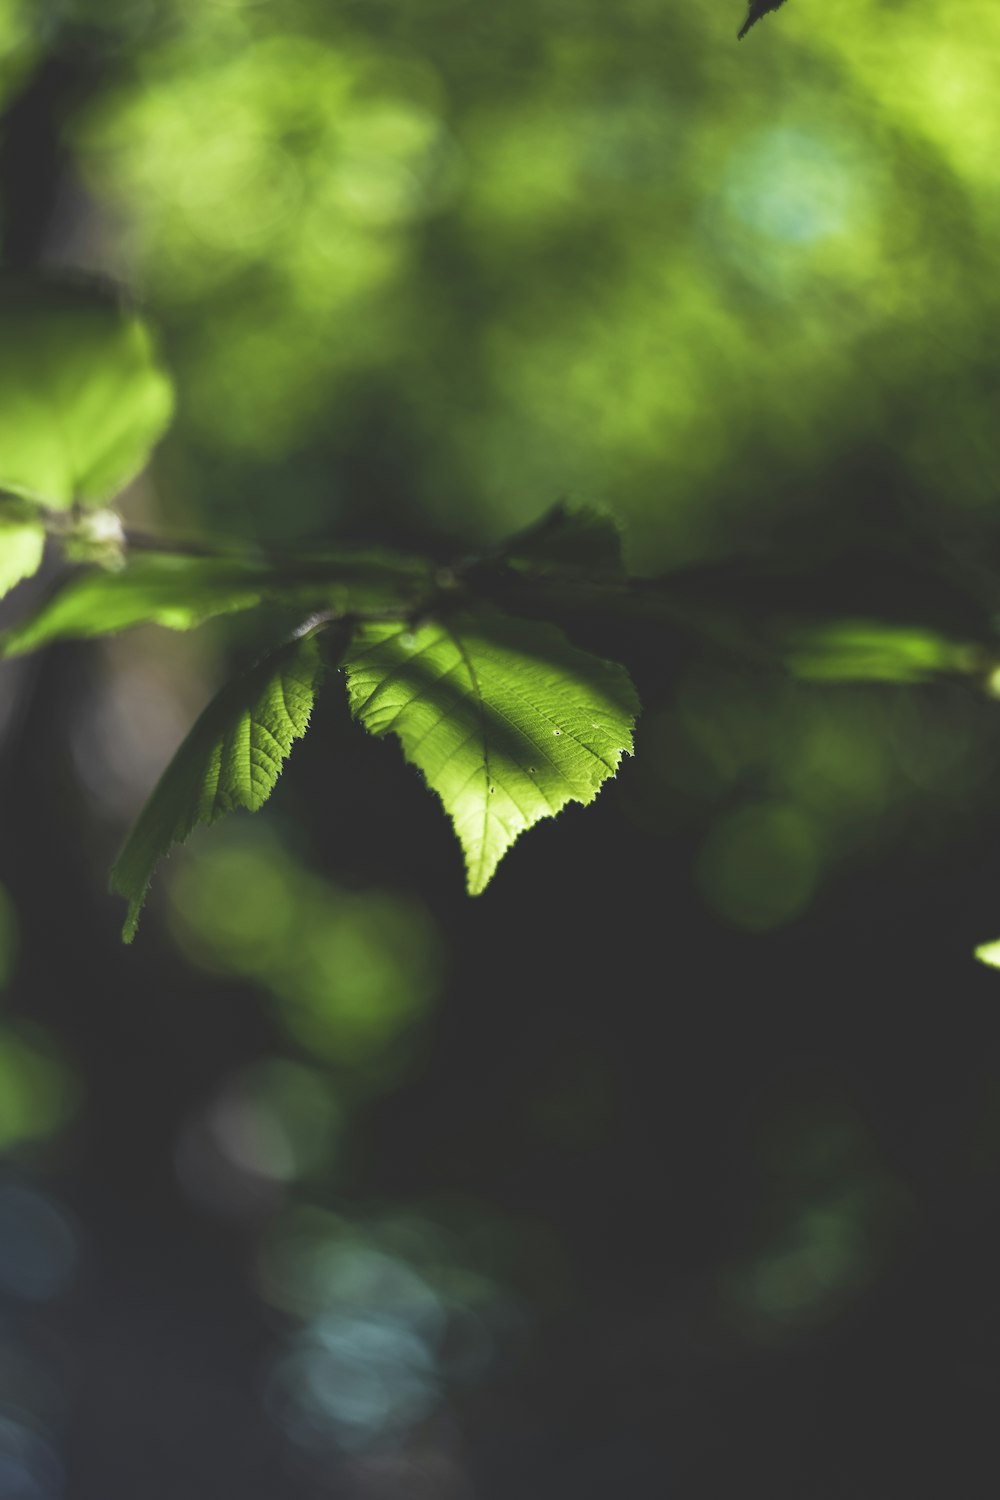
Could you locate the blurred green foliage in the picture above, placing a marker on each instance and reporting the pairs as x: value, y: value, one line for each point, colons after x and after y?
x: 350, y: 972
x: 787, y: 786
x: 830, y: 1211
x: 557, y: 248
x: 759, y: 865
x: 39, y: 1092
x: 82, y: 397
x: 863, y: 650
x: 16, y: 51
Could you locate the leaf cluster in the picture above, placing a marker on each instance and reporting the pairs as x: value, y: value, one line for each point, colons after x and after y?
x: 472, y: 668
x: 506, y: 719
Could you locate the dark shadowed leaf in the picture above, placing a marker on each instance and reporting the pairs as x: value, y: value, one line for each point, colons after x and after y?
x: 568, y: 540
x: 755, y: 11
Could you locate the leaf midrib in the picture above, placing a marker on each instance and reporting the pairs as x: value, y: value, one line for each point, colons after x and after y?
x: 473, y: 678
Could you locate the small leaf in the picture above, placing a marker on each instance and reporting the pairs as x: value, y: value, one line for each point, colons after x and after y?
x: 578, y: 540
x: 22, y: 543
x: 231, y: 759
x: 180, y: 592
x: 82, y: 396
x: 506, y: 719
x: 757, y: 9
x: 177, y: 592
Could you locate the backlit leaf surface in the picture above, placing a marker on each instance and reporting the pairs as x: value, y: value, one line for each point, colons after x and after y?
x: 505, y: 718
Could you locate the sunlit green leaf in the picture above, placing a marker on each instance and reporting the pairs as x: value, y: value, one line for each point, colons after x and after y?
x: 22, y: 543
x: 231, y: 759
x: 82, y: 396
x: 506, y: 719
x: 568, y: 540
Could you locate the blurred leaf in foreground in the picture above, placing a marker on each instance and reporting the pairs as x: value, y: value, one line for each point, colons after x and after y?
x: 83, y: 398
x: 989, y: 953
x: 869, y: 650
x: 506, y: 719
x: 22, y: 542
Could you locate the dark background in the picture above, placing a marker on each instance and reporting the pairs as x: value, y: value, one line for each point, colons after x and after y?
x: 669, y: 1165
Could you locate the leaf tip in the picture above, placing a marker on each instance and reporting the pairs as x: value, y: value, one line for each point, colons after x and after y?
x: 119, y: 885
x: 989, y: 954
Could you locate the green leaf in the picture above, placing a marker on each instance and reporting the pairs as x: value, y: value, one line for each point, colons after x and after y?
x: 22, y: 543
x: 82, y: 396
x: 180, y: 592
x: 568, y: 540
x: 505, y: 718
x: 231, y: 759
